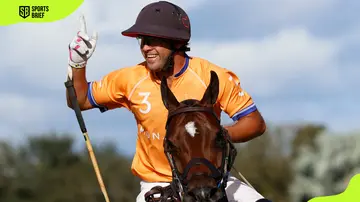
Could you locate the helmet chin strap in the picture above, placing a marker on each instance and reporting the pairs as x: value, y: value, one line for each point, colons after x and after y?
x: 170, y: 62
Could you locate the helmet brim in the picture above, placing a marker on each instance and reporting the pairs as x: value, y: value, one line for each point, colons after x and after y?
x: 155, y: 31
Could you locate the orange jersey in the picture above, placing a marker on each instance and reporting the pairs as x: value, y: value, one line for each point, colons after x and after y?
x: 136, y: 89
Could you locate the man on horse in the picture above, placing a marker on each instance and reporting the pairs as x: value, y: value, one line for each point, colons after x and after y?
x: 163, y: 30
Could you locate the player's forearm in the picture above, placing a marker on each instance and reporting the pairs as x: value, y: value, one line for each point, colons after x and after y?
x: 81, y: 88
x: 247, y: 128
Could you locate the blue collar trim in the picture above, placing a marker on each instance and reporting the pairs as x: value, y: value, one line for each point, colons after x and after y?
x: 183, y: 69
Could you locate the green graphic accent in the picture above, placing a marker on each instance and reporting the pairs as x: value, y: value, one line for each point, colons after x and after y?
x: 35, y: 11
x: 351, y: 193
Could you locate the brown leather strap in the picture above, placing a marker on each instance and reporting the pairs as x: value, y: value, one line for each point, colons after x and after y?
x: 191, y: 109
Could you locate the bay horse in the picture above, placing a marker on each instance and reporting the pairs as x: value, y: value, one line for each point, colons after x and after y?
x: 197, y: 146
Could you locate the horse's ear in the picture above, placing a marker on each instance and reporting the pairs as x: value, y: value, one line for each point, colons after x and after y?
x: 168, y: 98
x: 212, y: 90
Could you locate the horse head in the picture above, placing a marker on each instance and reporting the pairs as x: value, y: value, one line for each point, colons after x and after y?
x: 198, y: 148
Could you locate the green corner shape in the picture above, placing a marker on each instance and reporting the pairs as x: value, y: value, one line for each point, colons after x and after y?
x: 351, y: 193
x: 36, y: 11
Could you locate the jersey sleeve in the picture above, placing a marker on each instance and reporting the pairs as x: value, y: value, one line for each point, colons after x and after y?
x: 234, y: 100
x: 109, y: 92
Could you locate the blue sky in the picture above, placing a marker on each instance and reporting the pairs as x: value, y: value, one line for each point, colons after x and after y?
x: 298, y: 59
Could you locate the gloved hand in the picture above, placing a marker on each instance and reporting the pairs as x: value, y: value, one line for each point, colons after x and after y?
x: 82, y: 46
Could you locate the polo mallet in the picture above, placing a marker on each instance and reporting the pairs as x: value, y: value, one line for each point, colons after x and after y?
x: 72, y: 94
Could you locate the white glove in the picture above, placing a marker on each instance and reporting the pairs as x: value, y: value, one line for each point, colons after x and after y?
x: 82, y: 46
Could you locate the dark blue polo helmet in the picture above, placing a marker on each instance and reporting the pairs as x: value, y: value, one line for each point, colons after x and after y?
x: 161, y: 19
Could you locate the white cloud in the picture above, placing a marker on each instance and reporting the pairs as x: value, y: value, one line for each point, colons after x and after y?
x: 17, y: 108
x: 21, y: 115
x: 282, y: 11
x: 294, y: 9
x: 270, y: 65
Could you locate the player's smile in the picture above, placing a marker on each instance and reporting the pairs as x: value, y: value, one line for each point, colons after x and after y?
x: 151, y: 58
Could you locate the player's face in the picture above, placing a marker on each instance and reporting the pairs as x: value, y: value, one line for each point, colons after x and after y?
x: 155, y: 51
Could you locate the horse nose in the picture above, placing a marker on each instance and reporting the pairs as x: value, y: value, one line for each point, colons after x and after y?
x: 203, y: 193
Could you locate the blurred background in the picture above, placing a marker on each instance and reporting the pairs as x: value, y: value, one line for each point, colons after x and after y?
x: 298, y: 59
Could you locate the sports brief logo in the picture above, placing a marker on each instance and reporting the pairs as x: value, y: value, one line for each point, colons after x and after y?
x: 35, y: 11
x: 24, y: 11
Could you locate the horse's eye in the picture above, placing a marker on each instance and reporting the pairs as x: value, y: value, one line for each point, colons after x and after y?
x: 170, y: 147
x: 219, y: 140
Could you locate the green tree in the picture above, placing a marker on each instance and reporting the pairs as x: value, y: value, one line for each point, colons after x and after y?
x: 306, y: 135
x: 266, y: 166
x: 47, y: 169
x: 328, y: 170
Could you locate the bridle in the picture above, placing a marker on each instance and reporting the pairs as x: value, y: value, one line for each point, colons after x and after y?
x: 178, y: 186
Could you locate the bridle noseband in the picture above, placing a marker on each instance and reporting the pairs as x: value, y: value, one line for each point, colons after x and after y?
x: 178, y: 185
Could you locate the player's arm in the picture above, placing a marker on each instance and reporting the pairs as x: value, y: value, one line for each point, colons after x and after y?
x: 81, y: 88
x: 108, y: 93
x: 247, y: 127
x: 81, y: 49
x: 238, y: 104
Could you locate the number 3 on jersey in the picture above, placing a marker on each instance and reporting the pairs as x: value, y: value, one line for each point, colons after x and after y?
x: 146, y: 102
